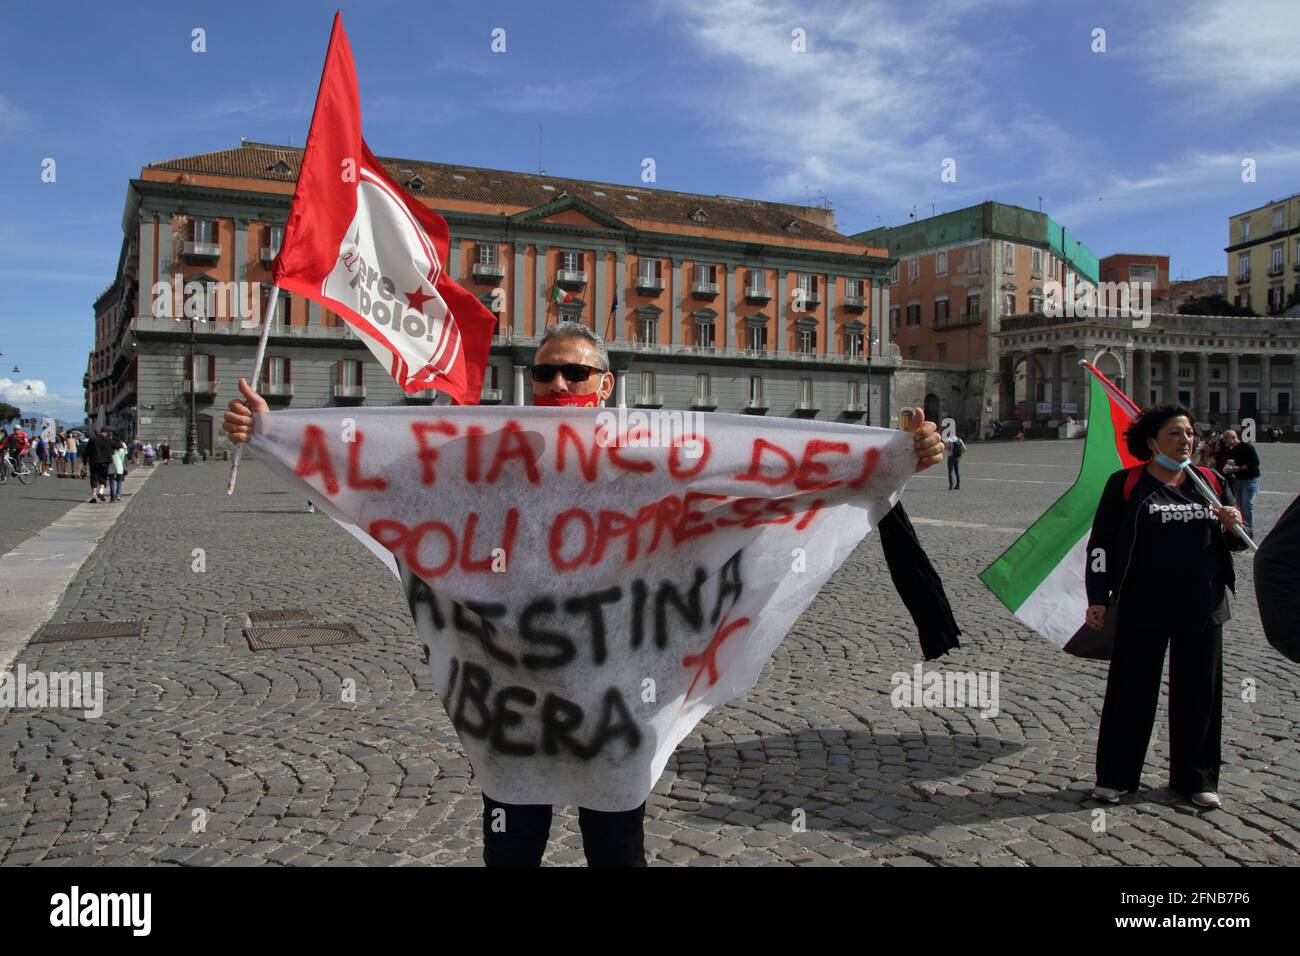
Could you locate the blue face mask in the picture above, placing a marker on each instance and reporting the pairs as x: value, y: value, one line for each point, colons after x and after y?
x: 1167, y: 462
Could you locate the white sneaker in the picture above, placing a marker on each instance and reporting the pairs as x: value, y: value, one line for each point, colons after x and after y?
x: 1207, y: 799
x: 1106, y: 794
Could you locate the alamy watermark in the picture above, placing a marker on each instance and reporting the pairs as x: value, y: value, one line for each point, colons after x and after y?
x: 70, y: 690
x: 650, y: 428
x: 179, y: 299
x: 1084, y: 300
x: 946, y: 689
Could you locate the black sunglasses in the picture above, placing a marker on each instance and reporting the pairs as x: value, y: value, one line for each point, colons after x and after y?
x: 571, y: 373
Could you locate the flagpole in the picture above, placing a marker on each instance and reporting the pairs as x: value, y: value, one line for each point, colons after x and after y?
x: 271, y: 302
x: 1209, y: 493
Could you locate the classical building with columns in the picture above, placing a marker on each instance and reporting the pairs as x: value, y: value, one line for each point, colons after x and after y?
x: 958, y: 275
x: 1221, y: 368
x: 706, y: 302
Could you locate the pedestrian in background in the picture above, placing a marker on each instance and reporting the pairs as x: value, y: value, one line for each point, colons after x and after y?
x: 955, y: 448
x: 116, y: 470
x: 70, y: 452
x: 1241, y: 465
x: 99, y: 454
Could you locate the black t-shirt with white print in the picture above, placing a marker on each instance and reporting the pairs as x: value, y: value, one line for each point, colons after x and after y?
x: 1174, y: 580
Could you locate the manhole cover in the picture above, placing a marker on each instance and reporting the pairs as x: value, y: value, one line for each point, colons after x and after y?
x: 289, y: 614
x: 88, y: 630
x: 307, y: 635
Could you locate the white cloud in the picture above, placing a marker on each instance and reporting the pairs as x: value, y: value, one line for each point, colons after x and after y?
x: 32, y: 397
x: 11, y: 118
x: 1205, y: 175
x: 1234, y: 53
x: 870, y: 109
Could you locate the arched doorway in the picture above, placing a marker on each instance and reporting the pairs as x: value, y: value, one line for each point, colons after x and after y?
x: 933, y: 412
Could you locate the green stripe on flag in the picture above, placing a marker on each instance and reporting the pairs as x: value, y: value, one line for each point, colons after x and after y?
x: 1023, y: 566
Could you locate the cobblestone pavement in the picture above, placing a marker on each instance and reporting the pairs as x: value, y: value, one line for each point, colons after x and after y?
x: 26, y: 509
x: 285, y: 773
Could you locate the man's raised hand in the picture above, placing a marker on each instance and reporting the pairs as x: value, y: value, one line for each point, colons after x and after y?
x: 238, y: 423
x: 928, y: 443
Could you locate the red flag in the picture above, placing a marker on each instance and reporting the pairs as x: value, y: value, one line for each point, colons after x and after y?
x: 358, y: 244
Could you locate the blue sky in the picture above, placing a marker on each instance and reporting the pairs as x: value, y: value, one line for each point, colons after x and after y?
x: 1135, y: 149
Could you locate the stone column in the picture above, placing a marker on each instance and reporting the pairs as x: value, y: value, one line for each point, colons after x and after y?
x: 165, y: 248
x: 1007, y: 386
x: 455, y: 261
x: 1265, y: 389
x: 620, y: 291
x: 620, y: 388
x: 544, y: 280
x: 677, y: 302
x: 832, y: 292
x: 1031, y: 385
x: 520, y: 389
x: 730, y: 299
x: 145, y: 275
x: 1128, y: 373
x: 599, y: 311
x: 882, y: 322
x: 515, y: 309
x: 1202, y: 386
x: 241, y: 250
x: 1056, y: 359
x: 1234, y: 390
x: 1143, y: 397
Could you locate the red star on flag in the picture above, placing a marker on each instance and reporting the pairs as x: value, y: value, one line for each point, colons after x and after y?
x: 417, y: 299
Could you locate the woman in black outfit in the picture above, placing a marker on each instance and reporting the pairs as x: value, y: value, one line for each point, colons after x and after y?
x: 1164, y: 567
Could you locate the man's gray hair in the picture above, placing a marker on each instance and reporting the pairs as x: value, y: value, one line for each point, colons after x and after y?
x: 576, y: 330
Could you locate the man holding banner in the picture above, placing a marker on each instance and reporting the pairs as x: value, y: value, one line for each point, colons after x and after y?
x: 644, y: 710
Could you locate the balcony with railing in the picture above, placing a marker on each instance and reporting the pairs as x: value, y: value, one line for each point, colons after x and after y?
x: 1243, y: 275
x: 649, y: 400
x: 755, y: 406
x: 855, y: 303
x: 571, y: 279
x: 806, y: 408
x: 649, y: 285
x: 202, y: 251
x: 268, y: 255
x: 703, y: 403
x: 757, y: 294
x: 203, y: 389
x: 349, y: 394
x: 704, y: 290
x: 276, y: 391
x: 810, y: 298
x: 490, y: 396
x: 1275, y: 269
x: 488, y: 272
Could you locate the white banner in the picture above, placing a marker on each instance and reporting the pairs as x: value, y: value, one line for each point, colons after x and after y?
x: 590, y: 586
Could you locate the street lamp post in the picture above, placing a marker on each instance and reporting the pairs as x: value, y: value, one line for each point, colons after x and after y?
x: 191, y: 428
x: 872, y: 339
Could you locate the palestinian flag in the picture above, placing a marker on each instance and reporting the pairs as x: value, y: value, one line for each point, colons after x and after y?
x: 559, y: 295
x: 1040, y: 578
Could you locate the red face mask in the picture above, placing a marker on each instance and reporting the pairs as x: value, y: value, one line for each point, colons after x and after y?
x: 567, y: 400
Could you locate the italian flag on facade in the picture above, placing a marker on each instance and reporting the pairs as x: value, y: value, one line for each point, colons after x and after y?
x: 1040, y: 578
x: 559, y: 295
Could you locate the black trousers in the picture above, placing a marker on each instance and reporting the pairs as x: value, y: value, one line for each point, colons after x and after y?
x: 954, y: 472
x: 517, y: 835
x: 1195, y: 707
